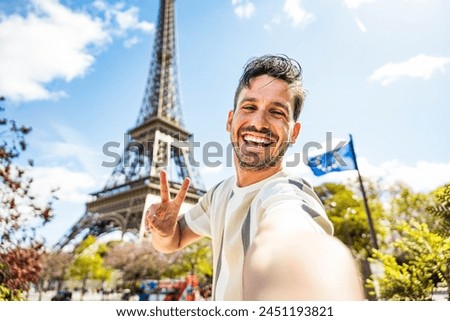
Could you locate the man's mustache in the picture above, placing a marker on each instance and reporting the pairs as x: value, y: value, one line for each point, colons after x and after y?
x: 264, y: 131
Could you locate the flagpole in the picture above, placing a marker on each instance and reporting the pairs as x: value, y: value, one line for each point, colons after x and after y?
x: 366, y: 205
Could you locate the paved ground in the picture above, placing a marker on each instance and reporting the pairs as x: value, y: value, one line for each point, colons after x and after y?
x: 76, y: 296
x: 439, y: 295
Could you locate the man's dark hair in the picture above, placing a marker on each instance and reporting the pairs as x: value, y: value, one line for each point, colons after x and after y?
x: 277, y: 66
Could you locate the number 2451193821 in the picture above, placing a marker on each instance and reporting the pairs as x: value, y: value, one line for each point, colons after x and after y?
x: 296, y: 311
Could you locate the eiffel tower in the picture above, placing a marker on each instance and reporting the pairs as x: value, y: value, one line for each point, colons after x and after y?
x: 158, y: 141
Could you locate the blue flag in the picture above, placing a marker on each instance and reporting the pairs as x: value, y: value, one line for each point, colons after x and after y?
x: 337, y: 160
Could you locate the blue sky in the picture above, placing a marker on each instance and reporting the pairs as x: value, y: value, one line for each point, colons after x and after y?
x: 378, y: 69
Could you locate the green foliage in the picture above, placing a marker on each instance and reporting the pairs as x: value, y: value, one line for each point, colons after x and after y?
x: 346, y: 212
x: 89, y: 267
x: 418, y: 257
x: 7, y: 294
x: 88, y: 263
x: 413, y: 231
x: 86, y: 243
x: 441, y: 210
x: 196, y: 259
x: 401, y: 282
x: 406, y: 205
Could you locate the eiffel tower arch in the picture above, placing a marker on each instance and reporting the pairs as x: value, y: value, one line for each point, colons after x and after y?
x: 158, y: 141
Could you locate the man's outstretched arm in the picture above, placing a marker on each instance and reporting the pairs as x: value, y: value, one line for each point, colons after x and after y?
x: 288, y: 262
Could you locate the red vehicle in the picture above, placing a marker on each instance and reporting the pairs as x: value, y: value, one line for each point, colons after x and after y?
x: 169, y: 289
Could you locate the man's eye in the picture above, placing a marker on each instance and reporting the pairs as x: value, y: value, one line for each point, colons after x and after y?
x: 248, y: 107
x: 278, y: 113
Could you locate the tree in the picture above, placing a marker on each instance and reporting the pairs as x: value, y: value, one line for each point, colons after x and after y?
x: 18, y: 267
x: 54, y: 268
x: 418, y: 254
x: 346, y: 211
x: 406, y: 205
x: 417, y: 257
x: 195, y: 259
x: 137, y: 262
x: 440, y: 210
x: 414, y: 233
x: 20, y: 215
x: 88, y: 262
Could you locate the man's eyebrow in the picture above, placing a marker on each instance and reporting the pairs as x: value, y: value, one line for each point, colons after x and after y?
x: 275, y: 103
x: 247, y: 99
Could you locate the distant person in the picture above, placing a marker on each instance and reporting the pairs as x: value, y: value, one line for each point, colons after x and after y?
x: 270, y: 234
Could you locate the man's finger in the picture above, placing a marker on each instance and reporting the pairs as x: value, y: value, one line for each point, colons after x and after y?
x: 149, y: 219
x: 164, y: 186
x: 179, y: 199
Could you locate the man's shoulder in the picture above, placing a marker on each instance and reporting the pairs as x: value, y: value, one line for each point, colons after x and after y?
x: 285, y: 178
x: 286, y: 188
x: 287, y: 185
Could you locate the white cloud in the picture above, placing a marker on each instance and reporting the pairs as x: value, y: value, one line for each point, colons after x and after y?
x: 296, y: 14
x: 243, y: 10
x: 119, y: 20
x: 75, y: 154
x: 73, y: 186
x: 360, y: 24
x: 421, y: 66
x: 424, y: 176
x: 129, y: 20
x: 275, y: 21
x: 130, y: 42
x: 353, y: 4
x: 52, y: 42
x: 68, y: 146
x: 70, y: 165
x: 49, y: 43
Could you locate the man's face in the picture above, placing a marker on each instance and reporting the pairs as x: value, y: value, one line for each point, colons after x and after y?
x: 262, y: 126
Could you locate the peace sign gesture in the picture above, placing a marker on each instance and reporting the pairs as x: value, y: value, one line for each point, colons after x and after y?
x: 161, y: 218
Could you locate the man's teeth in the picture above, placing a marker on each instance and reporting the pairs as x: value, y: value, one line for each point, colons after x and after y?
x: 257, y: 140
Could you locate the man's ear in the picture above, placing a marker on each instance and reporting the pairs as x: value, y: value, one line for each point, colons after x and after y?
x: 296, y: 132
x: 229, y: 120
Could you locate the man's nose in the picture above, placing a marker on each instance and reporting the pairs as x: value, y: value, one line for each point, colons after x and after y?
x: 260, y: 120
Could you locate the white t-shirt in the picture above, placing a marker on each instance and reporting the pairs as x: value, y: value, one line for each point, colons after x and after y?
x: 230, y: 216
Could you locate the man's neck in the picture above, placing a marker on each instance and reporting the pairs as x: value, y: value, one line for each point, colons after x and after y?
x: 248, y: 177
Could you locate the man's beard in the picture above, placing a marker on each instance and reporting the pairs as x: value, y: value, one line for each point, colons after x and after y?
x: 251, y: 161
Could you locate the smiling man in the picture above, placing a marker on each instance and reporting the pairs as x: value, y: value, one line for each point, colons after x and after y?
x: 270, y: 234
x: 261, y: 127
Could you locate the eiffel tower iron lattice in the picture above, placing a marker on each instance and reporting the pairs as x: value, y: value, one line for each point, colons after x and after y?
x: 158, y: 141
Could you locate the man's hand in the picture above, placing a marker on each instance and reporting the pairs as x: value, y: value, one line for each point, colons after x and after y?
x: 161, y: 218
